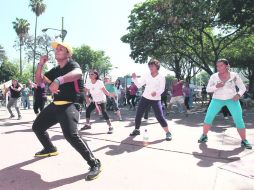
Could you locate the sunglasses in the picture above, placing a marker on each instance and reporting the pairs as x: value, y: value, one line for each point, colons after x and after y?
x: 91, y: 74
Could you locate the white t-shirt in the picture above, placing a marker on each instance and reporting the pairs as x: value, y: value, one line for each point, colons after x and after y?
x: 228, y: 91
x: 96, y: 90
x: 153, y: 84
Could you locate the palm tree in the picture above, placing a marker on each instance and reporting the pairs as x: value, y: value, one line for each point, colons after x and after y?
x: 38, y: 7
x: 21, y: 27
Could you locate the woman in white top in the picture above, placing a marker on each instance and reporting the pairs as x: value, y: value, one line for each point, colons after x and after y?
x: 119, y: 90
x: 223, y: 86
x: 154, y: 87
x: 98, y: 92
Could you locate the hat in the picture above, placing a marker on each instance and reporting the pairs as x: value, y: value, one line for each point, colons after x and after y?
x: 67, y: 46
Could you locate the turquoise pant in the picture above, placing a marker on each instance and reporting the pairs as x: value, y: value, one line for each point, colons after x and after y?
x: 233, y: 106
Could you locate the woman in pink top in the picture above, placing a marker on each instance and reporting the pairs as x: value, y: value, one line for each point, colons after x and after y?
x: 177, y: 95
x: 132, y: 95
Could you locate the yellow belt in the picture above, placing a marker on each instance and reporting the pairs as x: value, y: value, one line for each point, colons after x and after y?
x: 59, y: 103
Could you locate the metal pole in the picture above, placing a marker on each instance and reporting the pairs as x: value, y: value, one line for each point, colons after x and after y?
x: 62, y: 29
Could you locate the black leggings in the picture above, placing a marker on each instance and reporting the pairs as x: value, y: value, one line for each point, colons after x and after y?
x: 132, y: 98
x: 67, y: 116
x: 39, y: 105
x: 186, y: 102
x: 92, y: 106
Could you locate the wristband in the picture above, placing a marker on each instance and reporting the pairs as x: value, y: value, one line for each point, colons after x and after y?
x: 57, y: 81
x: 60, y: 79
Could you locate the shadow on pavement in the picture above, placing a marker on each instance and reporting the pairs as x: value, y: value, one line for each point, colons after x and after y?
x: 19, y: 131
x: 127, y: 145
x: 224, y: 156
x: 16, y: 178
x: 7, y: 124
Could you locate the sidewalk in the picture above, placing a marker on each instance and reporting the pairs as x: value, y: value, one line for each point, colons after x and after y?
x: 182, y: 163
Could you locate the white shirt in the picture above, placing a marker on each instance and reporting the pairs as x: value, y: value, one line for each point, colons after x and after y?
x: 119, y: 91
x: 96, y: 90
x: 228, y: 91
x: 152, y: 84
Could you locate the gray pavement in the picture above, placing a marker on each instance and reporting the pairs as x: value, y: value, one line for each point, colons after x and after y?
x: 220, y: 164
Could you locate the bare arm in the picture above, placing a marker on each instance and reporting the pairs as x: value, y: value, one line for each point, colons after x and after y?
x: 76, y: 74
x: 138, y: 83
x: 107, y: 93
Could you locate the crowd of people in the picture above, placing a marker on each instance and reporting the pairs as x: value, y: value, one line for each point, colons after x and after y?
x: 66, y: 84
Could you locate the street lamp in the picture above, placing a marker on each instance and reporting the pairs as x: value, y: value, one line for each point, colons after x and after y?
x: 62, y: 35
x: 63, y: 32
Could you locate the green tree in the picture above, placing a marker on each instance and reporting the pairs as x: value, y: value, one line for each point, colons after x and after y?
x: 202, y: 78
x: 237, y: 13
x: 186, y: 28
x: 241, y: 55
x: 92, y: 59
x: 8, y: 70
x: 21, y: 27
x: 38, y: 7
x: 43, y: 47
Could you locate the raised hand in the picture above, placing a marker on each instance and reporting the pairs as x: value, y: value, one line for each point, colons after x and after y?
x: 43, y: 59
x: 134, y: 76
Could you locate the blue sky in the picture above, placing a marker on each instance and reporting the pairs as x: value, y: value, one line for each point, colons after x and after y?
x: 97, y: 23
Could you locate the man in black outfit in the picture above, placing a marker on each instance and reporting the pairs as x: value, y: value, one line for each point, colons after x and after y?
x: 66, y: 85
x: 15, y: 90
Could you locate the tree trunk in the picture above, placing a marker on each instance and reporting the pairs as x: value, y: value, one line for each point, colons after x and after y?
x: 35, y: 31
x: 20, y: 57
x: 178, y: 69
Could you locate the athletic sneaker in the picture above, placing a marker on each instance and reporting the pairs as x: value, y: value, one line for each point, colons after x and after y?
x: 12, y: 116
x: 94, y: 171
x: 135, y: 132
x: 245, y: 143
x: 168, y: 136
x: 203, y: 139
x: 110, y: 130
x: 46, y: 153
x: 86, y: 127
x: 19, y: 118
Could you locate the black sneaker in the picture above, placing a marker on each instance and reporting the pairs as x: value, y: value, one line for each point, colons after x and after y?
x: 110, y: 130
x: 94, y: 171
x: 168, y: 136
x: 46, y: 153
x: 203, y: 139
x: 12, y: 116
x: 245, y: 143
x: 86, y: 127
x: 19, y: 118
x: 135, y: 132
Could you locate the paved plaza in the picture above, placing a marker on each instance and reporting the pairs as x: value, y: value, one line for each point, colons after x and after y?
x: 220, y: 164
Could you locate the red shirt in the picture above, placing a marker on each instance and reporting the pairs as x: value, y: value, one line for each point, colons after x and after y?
x: 133, y: 89
x: 177, y: 90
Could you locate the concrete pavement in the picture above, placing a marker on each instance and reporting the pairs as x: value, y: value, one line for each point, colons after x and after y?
x: 182, y: 163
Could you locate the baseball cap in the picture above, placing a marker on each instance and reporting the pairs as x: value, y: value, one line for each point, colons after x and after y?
x: 67, y: 46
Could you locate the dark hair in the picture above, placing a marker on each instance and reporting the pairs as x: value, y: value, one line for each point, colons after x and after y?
x: 96, y: 73
x: 225, y: 61
x: 154, y: 62
x: 117, y: 84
